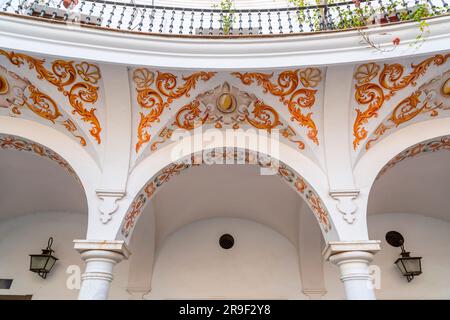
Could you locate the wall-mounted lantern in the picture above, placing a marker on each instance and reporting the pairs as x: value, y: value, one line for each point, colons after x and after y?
x: 409, y: 266
x: 44, y: 262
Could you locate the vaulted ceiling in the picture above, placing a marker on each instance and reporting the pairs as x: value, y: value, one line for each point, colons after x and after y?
x: 30, y: 183
x: 419, y: 185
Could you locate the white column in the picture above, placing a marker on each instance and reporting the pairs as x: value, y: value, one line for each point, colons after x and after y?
x: 100, y: 258
x: 353, y: 259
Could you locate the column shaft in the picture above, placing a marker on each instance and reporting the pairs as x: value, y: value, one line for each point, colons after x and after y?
x: 98, y: 275
x: 354, y: 270
x: 100, y: 258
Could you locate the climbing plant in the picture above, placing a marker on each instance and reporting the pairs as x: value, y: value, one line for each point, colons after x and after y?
x: 227, y: 18
x: 363, y: 14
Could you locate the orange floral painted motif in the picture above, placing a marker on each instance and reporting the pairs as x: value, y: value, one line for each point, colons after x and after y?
x: 392, y: 79
x: 373, y: 95
x: 63, y: 75
x: 258, y: 115
x: 153, y: 100
x: 26, y: 94
x: 287, y: 89
x: 206, y: 109
x: 426, y: 100
x: 41, y: 104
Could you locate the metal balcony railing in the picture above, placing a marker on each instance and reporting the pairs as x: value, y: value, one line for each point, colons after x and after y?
x: 216, y: 22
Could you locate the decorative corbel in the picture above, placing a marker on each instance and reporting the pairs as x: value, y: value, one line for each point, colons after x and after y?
x: 109, y: 204
x: 345, y: 203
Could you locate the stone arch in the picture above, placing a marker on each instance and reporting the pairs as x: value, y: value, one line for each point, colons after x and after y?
x: 406, y: 142
x: 299, y: 171
x: 370, y: 165
x: 26, y: 135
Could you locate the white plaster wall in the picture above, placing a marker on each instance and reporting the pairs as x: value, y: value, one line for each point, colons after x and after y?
x: 28, y: 234
x: 191, y: 264
x: 424, y: 236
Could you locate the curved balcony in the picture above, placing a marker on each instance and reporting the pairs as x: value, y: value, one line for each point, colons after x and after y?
x: 211, y: 22
x: 135, y: 34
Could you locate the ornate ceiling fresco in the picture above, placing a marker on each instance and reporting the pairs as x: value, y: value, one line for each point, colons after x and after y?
x: 213, y: 156
x: 290, y: 101
x: 390, y: 96
x: 65, y: 95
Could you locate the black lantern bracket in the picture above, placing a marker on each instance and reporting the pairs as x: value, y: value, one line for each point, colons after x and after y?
x: 44, y: 262
x: 409, y: 266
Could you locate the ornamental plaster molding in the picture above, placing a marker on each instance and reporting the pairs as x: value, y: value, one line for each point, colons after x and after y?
x: 315, y: 293
x: 109, y: 203
x: 118, y: 46
x: 116, y: 246
x: 335, y: 247
x: 345, y: 203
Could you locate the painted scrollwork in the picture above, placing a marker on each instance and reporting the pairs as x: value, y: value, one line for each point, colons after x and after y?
x: 136, y: 209
x: 390, y: 80
x: 287, y: 88
x: 41, y: 104
x: 157, y: 92
x: 262, y: 116
x: 227, y: 106
x: 190, y: 116
x: 427, y: 100
x: 308, y: 194
x: 22, y: 94
x: 220, y: 157
x: 64, y: 76
x: 372, y: 95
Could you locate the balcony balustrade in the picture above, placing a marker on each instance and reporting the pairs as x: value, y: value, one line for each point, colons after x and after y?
x: 237, y: 22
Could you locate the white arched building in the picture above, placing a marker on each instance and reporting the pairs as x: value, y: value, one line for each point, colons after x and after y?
x: 137, y: 134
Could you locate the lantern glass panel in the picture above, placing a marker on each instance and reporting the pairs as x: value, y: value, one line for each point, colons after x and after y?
x: 50, y: 263
x: 38, y: 261
x: 410, y: 265
x: 413, y: 266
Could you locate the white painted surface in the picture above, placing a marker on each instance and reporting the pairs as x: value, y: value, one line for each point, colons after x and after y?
x: 425, y: 236
x: 39, y: 181
x: 28, y: 234
x: 186, y: 53
x: 191, y: 264
x: 232, y: 191
x: 24, y: 227
x: 426, y: 175
x: 355, y: 274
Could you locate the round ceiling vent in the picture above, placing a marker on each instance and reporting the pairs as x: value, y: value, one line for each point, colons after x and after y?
x: 226, y: 241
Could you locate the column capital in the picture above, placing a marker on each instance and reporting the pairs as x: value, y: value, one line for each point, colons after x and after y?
x: 116, y: 246
x: 336, y: 247
x: 315, y: 293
